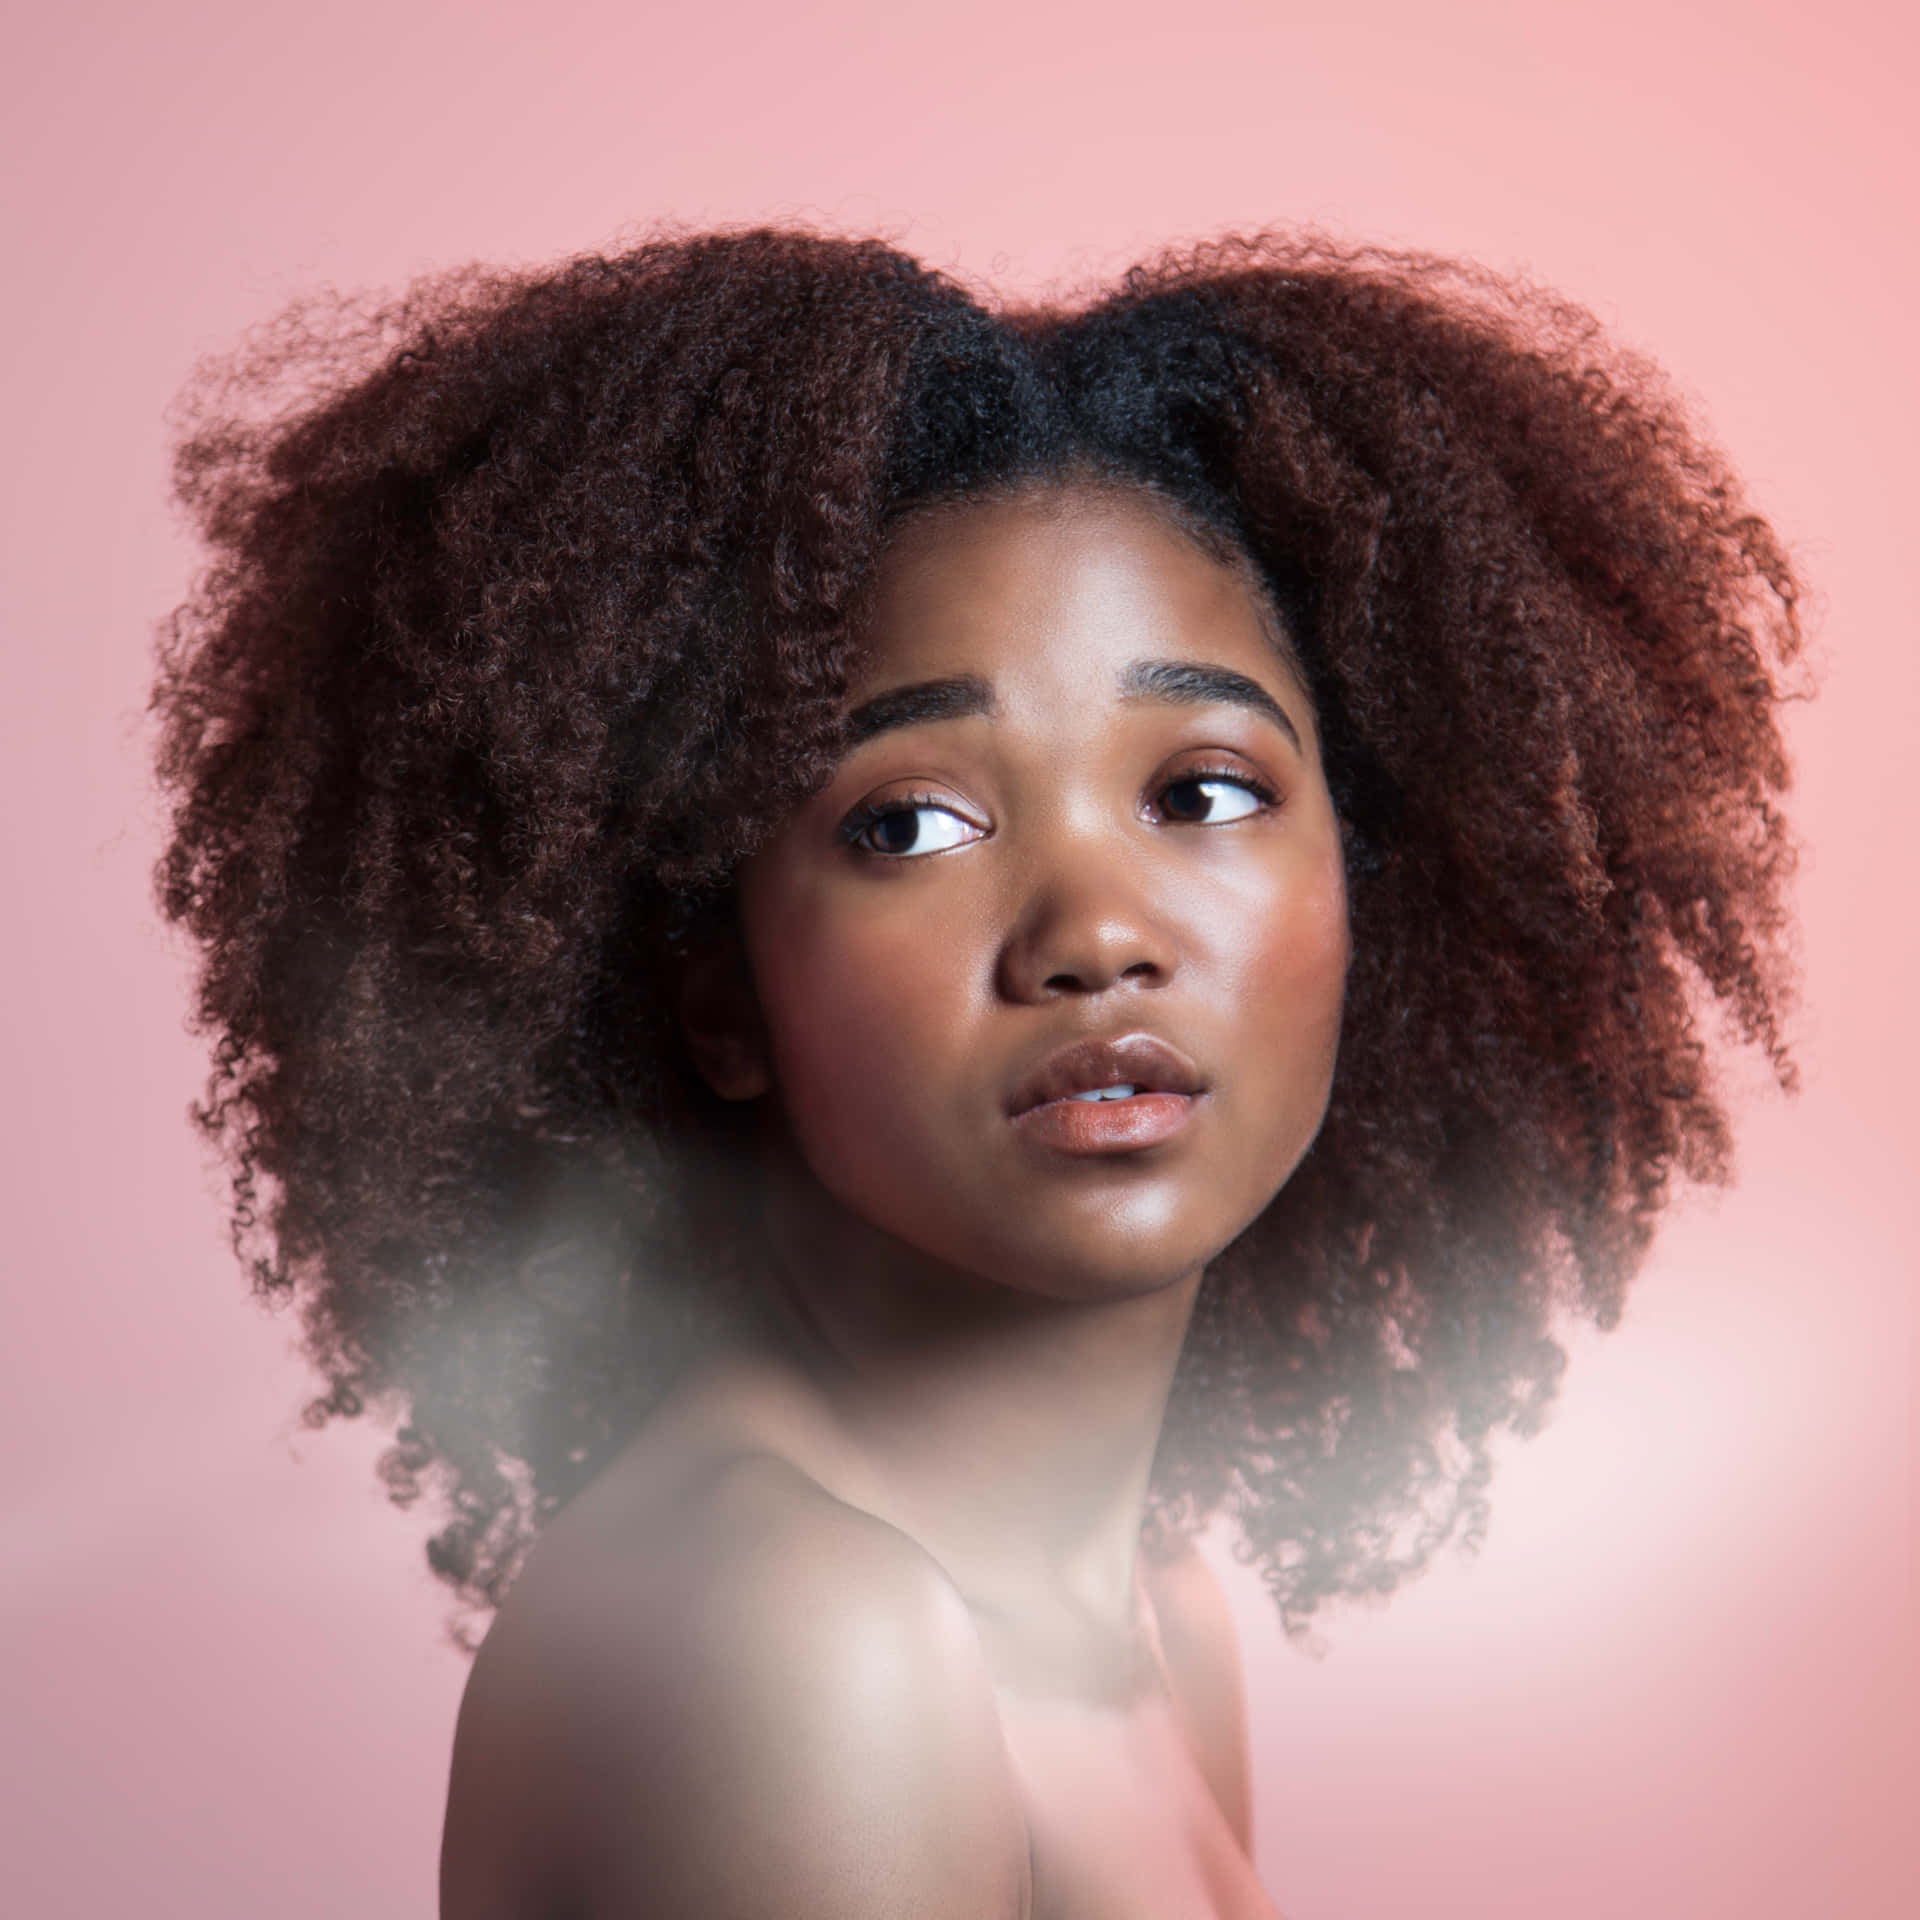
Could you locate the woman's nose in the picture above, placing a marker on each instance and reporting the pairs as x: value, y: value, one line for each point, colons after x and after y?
x: 1085, y: 926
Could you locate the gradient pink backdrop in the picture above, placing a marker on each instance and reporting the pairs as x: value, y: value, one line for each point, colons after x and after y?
x: 1679, y: 1682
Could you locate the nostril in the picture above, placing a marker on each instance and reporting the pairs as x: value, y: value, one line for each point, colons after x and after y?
x: 1086, y: 982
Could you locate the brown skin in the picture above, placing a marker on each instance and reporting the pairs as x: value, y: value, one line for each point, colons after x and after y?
x: 904, y: 1657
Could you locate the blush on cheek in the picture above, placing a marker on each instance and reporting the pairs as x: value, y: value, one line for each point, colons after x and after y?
x: 820, y: 1047
x: 1300, y: 984
x: 1308, y: 942
x: 838, y: 1036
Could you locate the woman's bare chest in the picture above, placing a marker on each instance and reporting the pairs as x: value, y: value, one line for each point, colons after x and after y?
x: 1121, y: 1824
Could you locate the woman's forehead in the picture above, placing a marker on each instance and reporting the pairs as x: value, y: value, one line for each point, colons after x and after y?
x: 1070, y: 577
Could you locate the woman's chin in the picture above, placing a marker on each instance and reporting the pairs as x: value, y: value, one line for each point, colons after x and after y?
x: 1093, y: 1269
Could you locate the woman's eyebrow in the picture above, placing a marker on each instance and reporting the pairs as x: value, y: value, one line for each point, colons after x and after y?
x: 1193, y: 683
x: 955, y: 698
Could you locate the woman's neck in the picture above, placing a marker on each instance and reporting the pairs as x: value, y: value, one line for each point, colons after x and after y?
x: 1011, y: 1434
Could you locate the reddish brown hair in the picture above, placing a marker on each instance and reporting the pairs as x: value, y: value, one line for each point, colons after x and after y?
x: 533, y: 611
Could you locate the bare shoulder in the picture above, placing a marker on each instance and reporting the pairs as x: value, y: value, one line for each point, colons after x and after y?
x: 751, y: 1699
x: 1202, y: 1649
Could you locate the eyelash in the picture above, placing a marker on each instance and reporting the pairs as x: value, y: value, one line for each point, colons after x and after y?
x: 871, y: 813
x: 1228, y: 776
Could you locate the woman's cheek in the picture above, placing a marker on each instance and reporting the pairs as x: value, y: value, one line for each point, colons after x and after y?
x: 846, y: 1019
x: 1290, y: 925
x: 1326, y: 950
x: 1295, y: 979
x: 1321, y: 945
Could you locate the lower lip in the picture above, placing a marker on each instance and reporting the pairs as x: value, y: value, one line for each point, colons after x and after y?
x: 1107, y: 1126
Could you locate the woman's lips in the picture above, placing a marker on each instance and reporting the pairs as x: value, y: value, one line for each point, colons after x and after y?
x: 1142, y: 1061
x: 1106, y: 1126
x: 1163, y: 1088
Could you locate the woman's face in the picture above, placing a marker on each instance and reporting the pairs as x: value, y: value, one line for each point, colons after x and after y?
x: 1082, y: 844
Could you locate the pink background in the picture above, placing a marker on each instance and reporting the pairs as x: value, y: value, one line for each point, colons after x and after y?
x: 1679, y: 1682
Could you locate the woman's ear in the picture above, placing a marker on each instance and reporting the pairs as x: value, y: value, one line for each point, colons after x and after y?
x: 720, y: 1016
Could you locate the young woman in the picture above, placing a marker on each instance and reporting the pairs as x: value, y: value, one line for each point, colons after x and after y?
x: 785, y: 860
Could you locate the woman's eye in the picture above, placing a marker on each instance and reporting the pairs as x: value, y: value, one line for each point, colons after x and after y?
x: 1212, y: 798
x: 915, y: 827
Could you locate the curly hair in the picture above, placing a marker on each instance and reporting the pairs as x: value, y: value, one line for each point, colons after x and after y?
x: 532, y: 603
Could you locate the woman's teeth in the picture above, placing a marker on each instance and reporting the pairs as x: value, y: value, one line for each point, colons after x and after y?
x: 1105, y: 1093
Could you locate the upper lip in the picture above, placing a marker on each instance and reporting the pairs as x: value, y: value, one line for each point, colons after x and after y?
x: 1138, y: 1060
